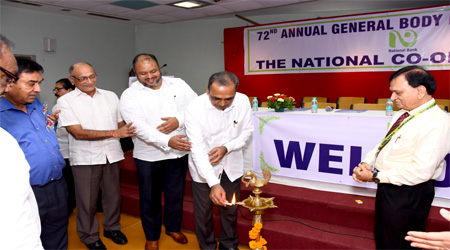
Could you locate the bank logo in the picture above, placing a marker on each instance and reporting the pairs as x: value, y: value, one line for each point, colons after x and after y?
x: 409, y: 35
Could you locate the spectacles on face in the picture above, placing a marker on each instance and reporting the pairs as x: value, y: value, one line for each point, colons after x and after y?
x: 85, y: 78
x: 57, y: 89
x: 12, y: 78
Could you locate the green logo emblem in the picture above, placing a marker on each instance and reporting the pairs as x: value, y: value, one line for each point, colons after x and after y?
x: 393, y: 35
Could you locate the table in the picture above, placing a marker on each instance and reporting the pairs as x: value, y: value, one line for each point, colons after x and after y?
x: 319, y: 151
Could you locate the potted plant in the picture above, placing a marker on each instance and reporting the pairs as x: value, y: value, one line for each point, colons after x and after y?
x: 280, y: 101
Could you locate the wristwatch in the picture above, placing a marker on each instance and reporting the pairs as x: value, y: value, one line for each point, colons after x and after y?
x: 374, y: 178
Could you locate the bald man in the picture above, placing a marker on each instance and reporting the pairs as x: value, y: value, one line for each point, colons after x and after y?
x: 156, y: 104
x: 92, y: 118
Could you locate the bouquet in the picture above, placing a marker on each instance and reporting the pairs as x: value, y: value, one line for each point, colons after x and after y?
x: 280, y: 101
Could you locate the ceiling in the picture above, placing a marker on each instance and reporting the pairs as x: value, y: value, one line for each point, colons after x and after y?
x: 159, y: 11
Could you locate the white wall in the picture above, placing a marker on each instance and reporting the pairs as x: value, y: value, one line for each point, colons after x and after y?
x: 194, y: 50
x: 108, y: 46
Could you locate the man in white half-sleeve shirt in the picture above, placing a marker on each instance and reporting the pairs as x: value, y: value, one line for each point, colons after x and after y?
x: 62, y: 87
x: 218, y: 123
x: 93, y: 119
x: 19, y: 215
x: 155, y: 105
x: 408, y: 160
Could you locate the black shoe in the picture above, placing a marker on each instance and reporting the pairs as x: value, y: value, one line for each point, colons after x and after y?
x: 117, y: 236
x: 222, y: 247
x: 96, y: 245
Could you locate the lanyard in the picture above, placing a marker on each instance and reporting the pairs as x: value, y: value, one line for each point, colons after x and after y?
x: 388, y: 137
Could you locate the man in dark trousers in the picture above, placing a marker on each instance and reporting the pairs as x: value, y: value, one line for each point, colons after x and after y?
x: 156, y: 104
x: 408, y: 160
x: 26, y: 119
x: 218, y: 123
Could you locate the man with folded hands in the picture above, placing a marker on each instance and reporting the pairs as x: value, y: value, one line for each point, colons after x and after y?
x: 218, y: 123
x: 408, y: 160
x: 156, y: 104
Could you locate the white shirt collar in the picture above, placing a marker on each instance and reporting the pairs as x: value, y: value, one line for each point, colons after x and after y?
x: 412, y: 112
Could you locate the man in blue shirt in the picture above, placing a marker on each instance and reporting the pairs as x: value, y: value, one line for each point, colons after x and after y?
x: 28, y: 121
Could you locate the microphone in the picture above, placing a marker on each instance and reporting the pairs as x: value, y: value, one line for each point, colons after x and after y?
x: 165, y: 64
x: 329, y: 109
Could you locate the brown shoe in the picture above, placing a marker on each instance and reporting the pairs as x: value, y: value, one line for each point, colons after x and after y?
x: 151, y: 245
x: 178, y: 237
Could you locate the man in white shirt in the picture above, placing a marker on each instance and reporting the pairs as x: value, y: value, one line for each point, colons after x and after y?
x: 62, y: 87
x: 155, y: 105
x: 92, y: 118
x: 408, y: 160
x: 218, y: 123
x: 20, y: 223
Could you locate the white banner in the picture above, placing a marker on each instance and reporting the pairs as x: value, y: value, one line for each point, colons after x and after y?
x: 322, y: 148
x: 373, y: 42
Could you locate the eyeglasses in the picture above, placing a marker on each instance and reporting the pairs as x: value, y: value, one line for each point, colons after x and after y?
x: 12, y: 78
x: 57, y: 89
x: 85, y: 78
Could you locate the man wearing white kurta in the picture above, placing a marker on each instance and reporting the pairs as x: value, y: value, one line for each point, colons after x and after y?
x: 218, y: 124
x: 155, y: 105
x: 62, y: 87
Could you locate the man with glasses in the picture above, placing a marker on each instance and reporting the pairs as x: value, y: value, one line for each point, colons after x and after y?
x: 8, y: 64
x: 7, y: 78
x: 26, y: 119
x: 62, y: 87
x: 91, y: 116
x: 21, y: 226
x: 408, y: 160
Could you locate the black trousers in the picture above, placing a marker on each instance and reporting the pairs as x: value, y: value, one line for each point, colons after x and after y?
x: 399, y: 209
x: 154, y: 177
x: 203, y: 214
x: 52, y: 202
x: 68, y: 176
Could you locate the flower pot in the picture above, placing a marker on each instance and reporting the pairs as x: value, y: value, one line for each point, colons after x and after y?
x: 279, y: 110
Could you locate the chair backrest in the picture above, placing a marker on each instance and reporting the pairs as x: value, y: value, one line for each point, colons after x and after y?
x: 369, y: 106
x: 320, y: 105
x: 264, y: 104
x: 308, y: 99
x: 384, y: 100
x: 445, y: 102
x: 346, y: 102
x: 443, y: 107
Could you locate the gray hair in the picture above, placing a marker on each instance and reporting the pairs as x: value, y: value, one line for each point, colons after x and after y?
x: 4, y: 42
x: 73, y: 66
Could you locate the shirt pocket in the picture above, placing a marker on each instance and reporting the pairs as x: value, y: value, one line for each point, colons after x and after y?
x: 180, y: 102
x: 402, y: 147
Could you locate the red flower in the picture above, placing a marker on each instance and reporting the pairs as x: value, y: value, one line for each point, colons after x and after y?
x: 273, y: 99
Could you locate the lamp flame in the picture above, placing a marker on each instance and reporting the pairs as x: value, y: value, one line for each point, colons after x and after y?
x: 233, y: 201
